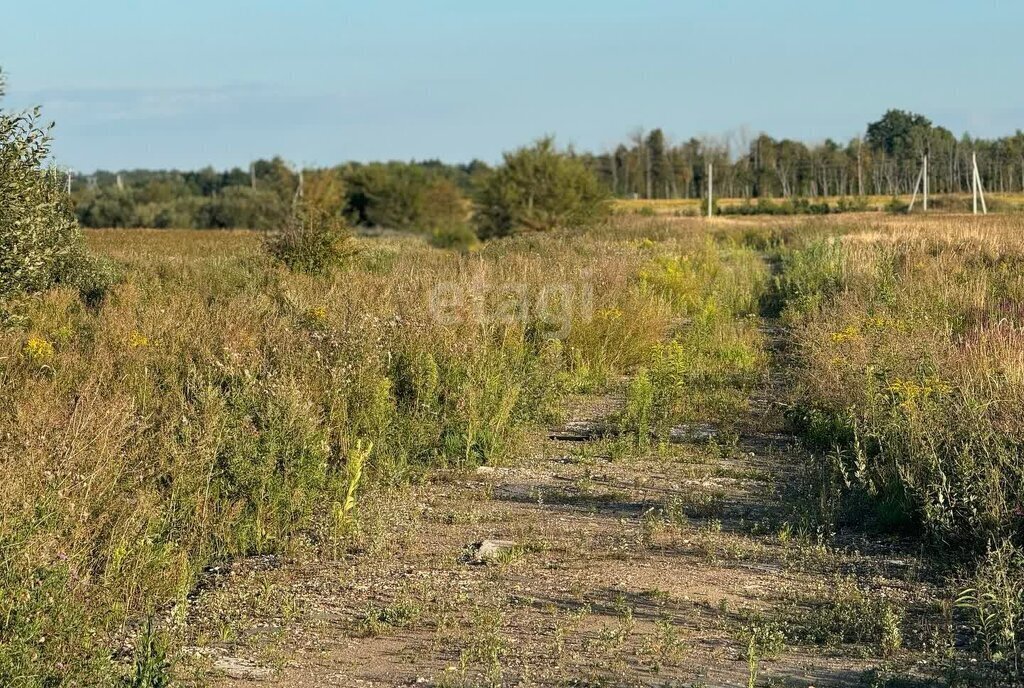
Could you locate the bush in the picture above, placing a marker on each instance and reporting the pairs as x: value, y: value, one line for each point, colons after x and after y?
x: 458, y: 236
x: 994, y: 610
x: 896, y: 206
x: 313, y: 241
x: 40, y: 241
x: 537, y: 189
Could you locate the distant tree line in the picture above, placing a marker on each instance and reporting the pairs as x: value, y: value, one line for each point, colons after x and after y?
x: 429, y: 195
x: 416, y: 195
x: 885, y: 161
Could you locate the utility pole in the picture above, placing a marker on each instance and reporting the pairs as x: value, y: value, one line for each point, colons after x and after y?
x: 711, y: 179
x: 974, y: 181
x: 925, y: 173
x: 252, y: 175
x: 976, y: 184
x: 69, y: 181
x: 917, y: 185
x: 921, y: 183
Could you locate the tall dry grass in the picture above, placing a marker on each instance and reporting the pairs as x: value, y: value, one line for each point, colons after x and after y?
x: 211, y: 407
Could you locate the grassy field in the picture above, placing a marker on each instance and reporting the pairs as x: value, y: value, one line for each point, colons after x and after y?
x: 1007, y: 202
x: 748, y: 450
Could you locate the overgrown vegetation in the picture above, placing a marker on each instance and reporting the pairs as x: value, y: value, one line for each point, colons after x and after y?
x: 40, y: 243
x: 212, y: 406
x: 537, y: 189
x: 908, y: 380
x: 236, y: 396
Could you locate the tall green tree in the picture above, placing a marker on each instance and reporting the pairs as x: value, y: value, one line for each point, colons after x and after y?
x: 538, y: 188
x: 661, y: 185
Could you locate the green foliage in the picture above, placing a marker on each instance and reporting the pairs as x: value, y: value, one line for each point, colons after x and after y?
x: 313, y: 242
x: 637, y: 417
x: 240, y: 207
x: 808, y: 275
x: 537, y: 188
x: 994, y: 607
x: 39, y: 239
x: 789, y: 206
x: 151, y: 670
x: 40, y: 242
x: 710, y: 364
x: 909, y: 385
x: 899, y: 133
x: 271, y: 469
x: 399, y: 196
x: 456, y: 236
x: 897, y: 207
x: 419, y: 196
x: 108, y: 207
x: 45, y: 637
x: 845, y: 613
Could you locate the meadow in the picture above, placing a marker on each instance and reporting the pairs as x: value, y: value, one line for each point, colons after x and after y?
x: 216, y: 407
x: 816, y: 205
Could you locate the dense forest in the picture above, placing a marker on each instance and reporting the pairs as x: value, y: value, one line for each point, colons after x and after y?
x: 421, y: 195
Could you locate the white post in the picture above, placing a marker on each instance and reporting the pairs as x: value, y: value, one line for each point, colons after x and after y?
x: 917, y: 185
x: 69, y: 182
x: 925, y: 172
x: 711, y: 178
x: 981, y: 192
x: 974, y: 180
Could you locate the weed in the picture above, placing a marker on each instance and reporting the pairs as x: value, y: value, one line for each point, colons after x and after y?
x: 378, y: 620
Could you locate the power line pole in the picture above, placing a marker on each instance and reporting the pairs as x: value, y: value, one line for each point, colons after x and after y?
x: 976, y: 183
x: 917, y: 185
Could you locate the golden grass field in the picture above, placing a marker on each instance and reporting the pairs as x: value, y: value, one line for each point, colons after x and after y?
x: 747, y: 450
x: 951, y: 202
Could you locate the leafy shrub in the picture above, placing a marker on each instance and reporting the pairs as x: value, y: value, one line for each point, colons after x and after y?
x: 313, y: 242
x: 40, y: 241
x: 441, y: 207
x: 788, y: 206
x: 458, y: 236
x: 896, y: 206
x: 538, y: 188
x: 637, y: 416
x: 994, y: 609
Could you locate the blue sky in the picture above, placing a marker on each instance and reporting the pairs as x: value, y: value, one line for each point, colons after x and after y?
x: 190, y: 83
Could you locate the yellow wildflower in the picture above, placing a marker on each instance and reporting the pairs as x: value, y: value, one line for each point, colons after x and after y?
x: 137, y: 340
x: 844, y: 335
x: 317, y: 315
x: 38, y: 350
